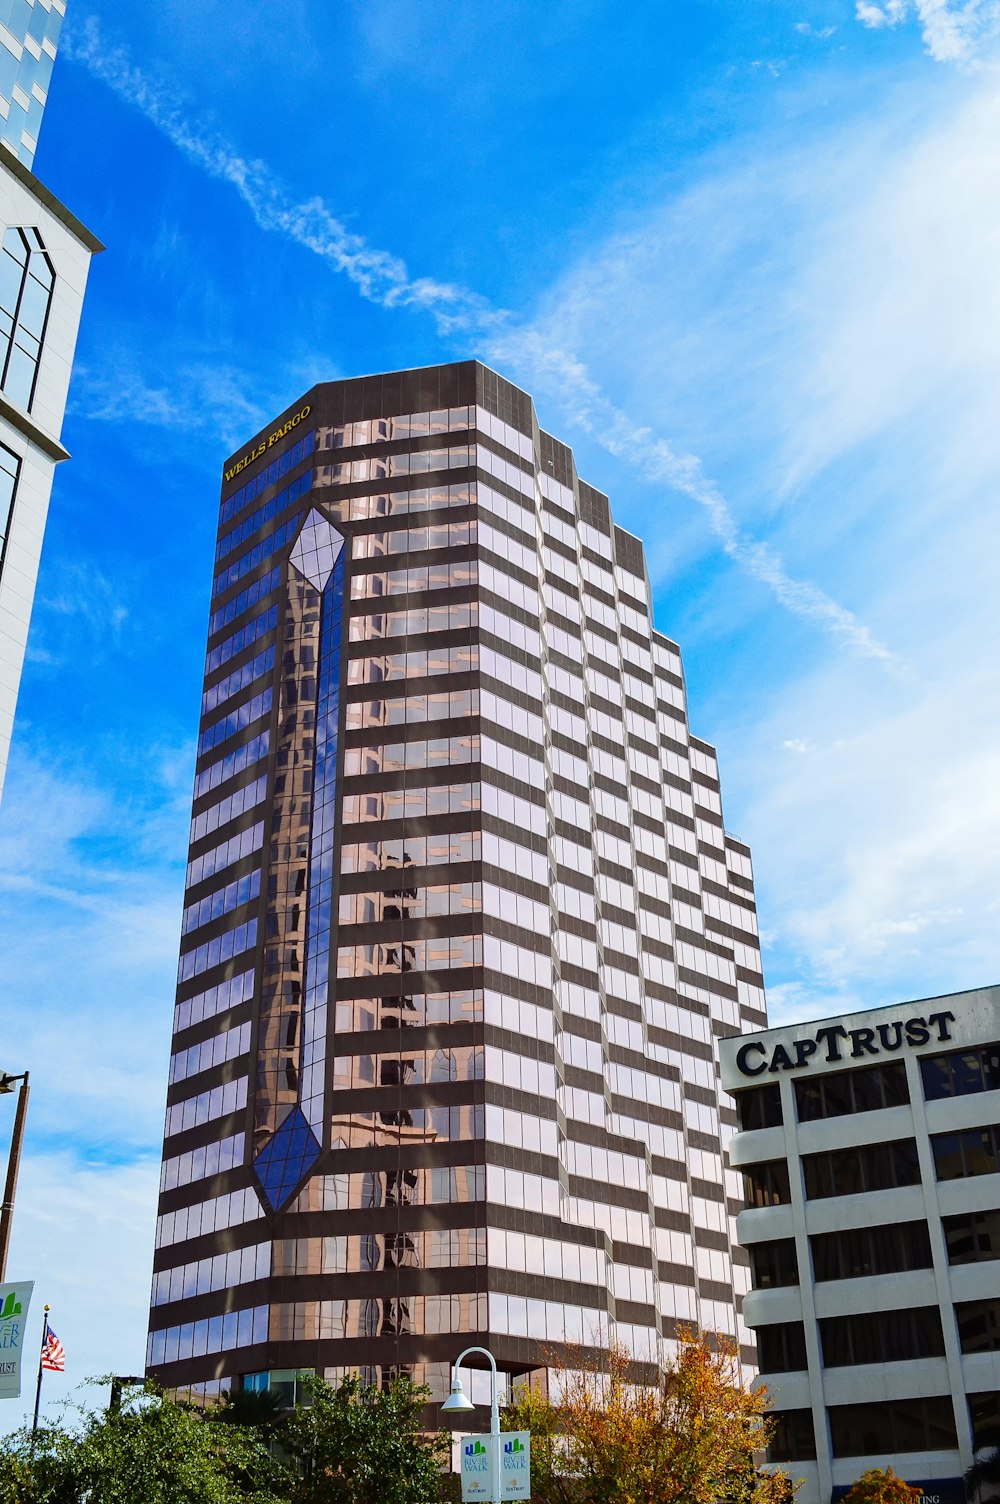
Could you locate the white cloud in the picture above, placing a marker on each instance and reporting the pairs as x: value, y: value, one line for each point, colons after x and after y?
x: 84, y: 1233
x: 91, y: 928
x: 962, y: 33
x: 384, y: 279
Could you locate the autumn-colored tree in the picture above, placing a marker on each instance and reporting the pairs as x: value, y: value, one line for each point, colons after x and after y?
x: 881, y: 1487
x: 691, y: 1439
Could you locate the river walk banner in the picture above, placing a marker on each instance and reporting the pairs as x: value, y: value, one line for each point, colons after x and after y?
x: 14, y: 1302
x: 478, y: 1465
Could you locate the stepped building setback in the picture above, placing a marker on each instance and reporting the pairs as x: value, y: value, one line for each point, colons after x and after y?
x: 462, y: 923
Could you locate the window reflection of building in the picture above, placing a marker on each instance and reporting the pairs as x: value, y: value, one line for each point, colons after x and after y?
x: 521, y: 1006
x: 26, y: 283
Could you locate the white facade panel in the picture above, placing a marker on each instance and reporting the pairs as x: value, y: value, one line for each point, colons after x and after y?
x: 872, y: 1149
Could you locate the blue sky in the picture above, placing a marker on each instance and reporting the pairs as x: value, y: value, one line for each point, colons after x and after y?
x: 744, y: 256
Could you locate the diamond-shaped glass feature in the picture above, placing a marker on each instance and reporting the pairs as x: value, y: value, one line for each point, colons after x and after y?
x: 288, y: 1156
x: 317, y: 549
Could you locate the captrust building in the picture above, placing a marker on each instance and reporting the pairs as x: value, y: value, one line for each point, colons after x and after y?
x: 870, y: 1151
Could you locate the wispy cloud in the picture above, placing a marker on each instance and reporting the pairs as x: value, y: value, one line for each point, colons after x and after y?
x: 963, y: 33
x: 201, y: 397
x: 384, y: 279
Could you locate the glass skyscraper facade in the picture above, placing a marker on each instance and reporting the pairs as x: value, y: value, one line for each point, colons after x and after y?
x: 462, y: 922
x: 29, y: 31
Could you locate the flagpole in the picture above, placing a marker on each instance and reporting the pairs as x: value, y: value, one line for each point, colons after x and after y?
x: 41, y: 1353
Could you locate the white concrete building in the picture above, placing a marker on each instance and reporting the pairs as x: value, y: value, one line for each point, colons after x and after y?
x: 870, y: 1150
x: 44, y: 259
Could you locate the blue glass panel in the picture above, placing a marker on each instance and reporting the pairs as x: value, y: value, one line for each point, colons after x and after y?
x: 288, y: 1156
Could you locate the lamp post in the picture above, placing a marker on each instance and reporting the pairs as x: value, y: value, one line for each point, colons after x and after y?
x: 13, y: 1161
x: 458, y: 1403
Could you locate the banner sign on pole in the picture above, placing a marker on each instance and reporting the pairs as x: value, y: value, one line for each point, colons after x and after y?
x: 14, y: 1302
x: 515, y: 1465
x: 477, y: 1468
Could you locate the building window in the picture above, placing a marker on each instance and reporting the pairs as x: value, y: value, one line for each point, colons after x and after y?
x: 781, y: 1347
x: 972, y: 1237
x: 26, y: 282
x: 794, y: 1439
x: 842, y: 1092
x: 872, y: 1167
x: 9, y: 468
x: 975, y: 1151
x: 984, y: 1414
x: 979, y: 1325
x: 960, y: 1072
x: 766, y: 1184
x: 881, y: 1337
x: 860, y: 1252
x: 889, y: 1426
x: 774, y: 1264
x: 760, y: 1107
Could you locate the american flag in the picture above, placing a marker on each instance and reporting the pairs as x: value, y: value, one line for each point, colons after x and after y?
x: 53, y: 1352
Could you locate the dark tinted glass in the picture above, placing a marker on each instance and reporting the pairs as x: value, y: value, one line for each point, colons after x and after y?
x: 895, y: 1090
x: 781, y: 1348
x: 793, y: 1439
x: 767, y: 1184
x: 844, y: 1092
x: 868, y: 1094
x: 846, y: 1171
x: 837, y: 1095
x: 774, y: 1264
x: 979, y: 1325
x: 984, y: 1413
x: 972, y: 1152
x: 961, y: 1072
x: 919, y: 1425
x: 760, y: 1107
x: 809, y: 1099
x: 972, y: 1237
x: 874, y: 1167
x: 882, y: 1337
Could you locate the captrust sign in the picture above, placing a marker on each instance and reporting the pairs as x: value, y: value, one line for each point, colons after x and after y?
x: 835, y: 1043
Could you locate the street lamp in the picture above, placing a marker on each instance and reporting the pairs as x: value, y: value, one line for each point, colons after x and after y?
x: 13, y: 1161
x: 458, y: 1403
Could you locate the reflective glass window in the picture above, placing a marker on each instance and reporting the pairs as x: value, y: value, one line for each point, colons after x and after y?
x: 10, y: 467
x: 974, y: 1151
x: 774, y: 1264
x: 794, y: 1439
x: 888, y: 1426
x: 766, y: 1184
x: 781, y: 1347
x: 26, y: 283
x: 978, y: 1325
x: 972, y: 1237
x: 881, y: 1337
x: 760, y: 1106
x: 961, y: 1072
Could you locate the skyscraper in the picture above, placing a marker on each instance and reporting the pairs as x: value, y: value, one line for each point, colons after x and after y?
x: 462, y: 921
x: 44, y: 260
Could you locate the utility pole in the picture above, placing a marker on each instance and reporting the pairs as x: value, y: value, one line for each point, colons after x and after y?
x: 13, y: 1162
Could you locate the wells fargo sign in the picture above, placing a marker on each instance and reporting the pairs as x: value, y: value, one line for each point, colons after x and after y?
x: 265, y: 444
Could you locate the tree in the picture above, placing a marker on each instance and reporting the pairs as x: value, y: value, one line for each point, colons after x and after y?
x: 982, y: 1481
x: 691, y: 1439
x: 878, y: 1487
x: 361, y: 1445
x: 154, y: 1451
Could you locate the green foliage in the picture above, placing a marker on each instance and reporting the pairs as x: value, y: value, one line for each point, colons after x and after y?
x: 154, y: 1452
x: 878, y: 1487
x: 358, y: 1445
